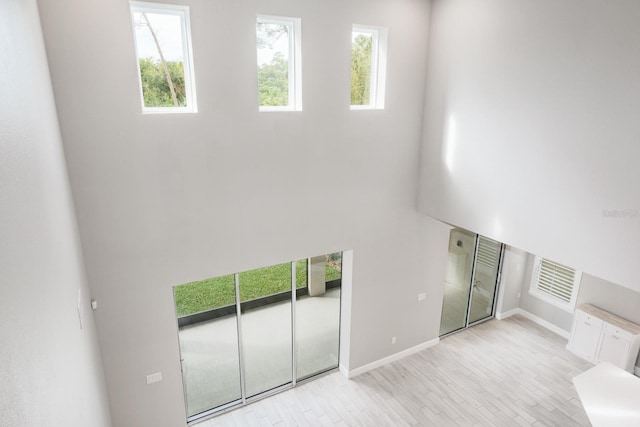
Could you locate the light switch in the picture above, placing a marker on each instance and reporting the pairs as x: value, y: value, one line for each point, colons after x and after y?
x: 422, y: 296
x: 154, y: 378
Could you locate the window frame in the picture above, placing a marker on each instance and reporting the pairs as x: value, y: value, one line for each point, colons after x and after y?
x: 547, y: 297
x: 181, y: 12
x: 377, y: 83
x: 294, y: 82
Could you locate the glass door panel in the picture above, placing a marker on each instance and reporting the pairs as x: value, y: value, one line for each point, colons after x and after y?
x: 485, y: 279
x: 267, y: 346
x: 457, y: 280
x: 318, y: 317
x: 207, y: 331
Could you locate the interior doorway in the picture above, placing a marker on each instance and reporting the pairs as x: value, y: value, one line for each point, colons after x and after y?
x: 471, y: 280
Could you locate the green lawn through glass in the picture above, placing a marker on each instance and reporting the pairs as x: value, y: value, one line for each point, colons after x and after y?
x: 220, y: 291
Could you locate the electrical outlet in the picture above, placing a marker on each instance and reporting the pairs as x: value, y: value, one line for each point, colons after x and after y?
x: 422, y: 296
x: 393, y: 340
x: 154, y: 378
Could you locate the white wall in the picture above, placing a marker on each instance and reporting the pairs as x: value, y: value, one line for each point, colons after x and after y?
x: 164, y: 200
x: 531, y: 128
x: 609, y: 296
x: 50, y: 369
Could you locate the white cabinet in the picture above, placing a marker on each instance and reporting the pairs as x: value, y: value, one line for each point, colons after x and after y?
x: 599, y: 336
x: 613, y: 350
x: 586, y: 335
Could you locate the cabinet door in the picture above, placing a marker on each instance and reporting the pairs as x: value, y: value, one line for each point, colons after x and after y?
x: 614, y: 349
x: 586, y: 335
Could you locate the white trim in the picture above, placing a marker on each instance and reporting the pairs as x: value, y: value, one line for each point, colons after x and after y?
x: 363, y: 107
x: 509, y: 313
x: 545, y: 324
x: 243, y: 385
x: 501, y: 287
x: 275, y: 108
x: 381, y: 83
x: 386, y: 360
x: 345, y: 311
x: 294, y: 341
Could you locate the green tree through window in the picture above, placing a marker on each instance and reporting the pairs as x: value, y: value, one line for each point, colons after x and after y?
x: 155, y: 87
x: 273, y: 43
x: 361, y: 50
x: 273, y: 81
x: 162, y: 40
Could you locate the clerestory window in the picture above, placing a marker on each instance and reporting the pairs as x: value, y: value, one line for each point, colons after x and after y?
x: 163, y: 51
x: 279, y: 67
x: 368, y: 67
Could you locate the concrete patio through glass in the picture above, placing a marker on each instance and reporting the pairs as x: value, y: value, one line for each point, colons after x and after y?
x: 209, y: 350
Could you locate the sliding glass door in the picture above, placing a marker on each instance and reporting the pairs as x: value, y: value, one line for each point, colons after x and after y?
x: 471, y: 280
x: 258, y: 331
x: 455, y: 302
x: 318, y: 317
x: 267, y: 341
x: 210, y: 368
x: 485, y: 279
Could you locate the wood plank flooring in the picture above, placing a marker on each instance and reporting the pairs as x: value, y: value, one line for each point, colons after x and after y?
x: 500, y: 373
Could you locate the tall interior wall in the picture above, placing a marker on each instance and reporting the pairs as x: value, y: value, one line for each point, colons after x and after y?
x: 50, y: 365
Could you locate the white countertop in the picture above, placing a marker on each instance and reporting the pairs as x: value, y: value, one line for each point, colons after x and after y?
x: 610, y: 396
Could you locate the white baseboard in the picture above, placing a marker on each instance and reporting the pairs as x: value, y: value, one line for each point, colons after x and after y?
x: 550, y: 326
x: 400, y: 355
x: 506, y: 314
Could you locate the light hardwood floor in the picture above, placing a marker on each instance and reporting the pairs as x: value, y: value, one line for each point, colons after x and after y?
x: 499, y: 373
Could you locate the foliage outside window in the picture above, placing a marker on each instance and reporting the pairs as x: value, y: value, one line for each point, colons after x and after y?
x: 162, y: 40
x: 279, y: 70
x: 555, y: 283
x: 368, y: 67
x: 361, y: 49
